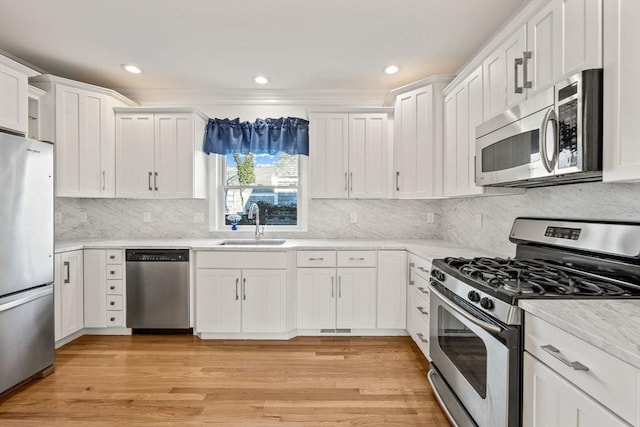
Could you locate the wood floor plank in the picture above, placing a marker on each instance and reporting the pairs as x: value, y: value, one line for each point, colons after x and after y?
x: 155, y: 380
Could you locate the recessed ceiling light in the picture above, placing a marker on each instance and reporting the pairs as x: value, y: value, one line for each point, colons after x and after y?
x: 261, y: 80
x: 132, y: 68
x: 391, y: 69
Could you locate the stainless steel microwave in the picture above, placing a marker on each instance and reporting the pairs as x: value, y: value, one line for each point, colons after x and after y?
x: 554, y: 137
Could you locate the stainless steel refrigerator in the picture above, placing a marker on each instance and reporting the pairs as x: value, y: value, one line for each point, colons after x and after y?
x: 26, y: 259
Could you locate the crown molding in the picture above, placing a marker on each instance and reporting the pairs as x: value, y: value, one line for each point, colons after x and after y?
x: 42, y: 81
x: 307, y: 98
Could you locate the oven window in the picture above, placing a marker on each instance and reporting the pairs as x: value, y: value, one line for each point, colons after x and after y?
x: 511, y: 152
x: 465, y: 350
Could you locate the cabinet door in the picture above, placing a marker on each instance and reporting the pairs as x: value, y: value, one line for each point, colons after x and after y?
x: 621, y: 152
x: 173, y: 174
x: 95, y: 288
x: 135, y: 149
x: 392, y: 290
x: 501, y: 76
x: 84, y: 144
x: 544, y: 42
x: 551, y: 401
x: 369, y: 156
x: 218, y: 300
x: 356, y: 298
x: 316, y: 298
x: 579, y: 37
x: 57, y: 299
x: 414, y: 144
x: 329, y: 156
x: 71, y: 293
x: 264, y: 300
x: 13, y: 100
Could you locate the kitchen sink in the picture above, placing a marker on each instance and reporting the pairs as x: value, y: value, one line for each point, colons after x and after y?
x: 253, y: 242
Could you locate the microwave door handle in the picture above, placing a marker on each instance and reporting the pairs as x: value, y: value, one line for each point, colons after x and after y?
x: 493, y: 329
x: 549, y: 164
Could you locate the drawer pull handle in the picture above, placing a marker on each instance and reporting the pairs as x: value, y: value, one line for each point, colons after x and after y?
x: 423, y: 290
x: 112, y: 287
x: 112, y: 302
x: 112, y: 257
x: 113, y: 319
x: 422, y: 269
x: 422, y: 338
x: 356, y: 259
x: 112, y: 272
x: 576, y: 366
x: 316, y: 259
x: 422, y: 310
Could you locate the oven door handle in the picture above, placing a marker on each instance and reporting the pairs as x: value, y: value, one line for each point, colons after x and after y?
x: 484, y: 325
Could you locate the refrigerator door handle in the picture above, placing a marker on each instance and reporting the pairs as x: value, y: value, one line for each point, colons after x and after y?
x: 31, y: 295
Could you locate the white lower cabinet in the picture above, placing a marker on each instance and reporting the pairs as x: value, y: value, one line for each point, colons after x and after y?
x: 241, y: 300
x: 569, y: 382
x: 336, y: 298
x: 392, y: 290
x: 418, y: 300
x: 549, y: 400
x: 69, y: 294
x: 104, y: 287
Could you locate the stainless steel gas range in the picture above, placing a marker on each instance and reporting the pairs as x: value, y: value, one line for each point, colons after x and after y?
x: 476, y: 328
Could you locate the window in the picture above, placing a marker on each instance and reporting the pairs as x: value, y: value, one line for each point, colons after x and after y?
x: 274, y: 182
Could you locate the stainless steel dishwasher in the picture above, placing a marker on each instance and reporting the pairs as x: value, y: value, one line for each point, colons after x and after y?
x: 158, y: 290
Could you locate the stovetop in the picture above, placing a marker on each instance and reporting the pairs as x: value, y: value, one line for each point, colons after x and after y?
x: 513, y: 279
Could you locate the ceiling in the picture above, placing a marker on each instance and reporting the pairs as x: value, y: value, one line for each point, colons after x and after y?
x: 209, y: 45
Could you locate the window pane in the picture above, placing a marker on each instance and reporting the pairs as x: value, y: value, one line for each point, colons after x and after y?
x: 278, y: 206
x: 279, y: 169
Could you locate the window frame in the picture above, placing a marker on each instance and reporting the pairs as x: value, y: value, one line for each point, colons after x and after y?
x: 217, y: 167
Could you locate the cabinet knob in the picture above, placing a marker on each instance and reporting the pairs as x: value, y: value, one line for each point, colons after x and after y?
x: 112, y: 303
x: 112, y: 287
x: 113, y: 319
x: 112, y: 256
x: 112, y: 272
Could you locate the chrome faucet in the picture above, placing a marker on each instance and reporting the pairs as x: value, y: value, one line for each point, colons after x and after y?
x: 254, y: 209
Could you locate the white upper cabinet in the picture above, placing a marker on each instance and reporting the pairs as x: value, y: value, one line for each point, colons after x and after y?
x: 349, y: 155
x: 13, y: 95
x: 621, y: 154
x: 79, y: 119
x: 560, y: 39
x: 502, y: 71
x: 417, y: 153
x: 159, y: 154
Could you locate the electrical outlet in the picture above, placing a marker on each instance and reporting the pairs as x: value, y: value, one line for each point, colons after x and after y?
x: 479, y: 220
x: 84, y: 217
x: 198, y: 217
x: 431, y: 217
x: 58, y: 218
x: 147, y: 217
x: 353, y: 217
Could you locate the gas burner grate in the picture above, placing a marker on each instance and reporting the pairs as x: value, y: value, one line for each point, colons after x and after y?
x: 535, y: 277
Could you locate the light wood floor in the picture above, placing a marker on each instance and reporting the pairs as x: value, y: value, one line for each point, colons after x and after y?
x: 184, y: 381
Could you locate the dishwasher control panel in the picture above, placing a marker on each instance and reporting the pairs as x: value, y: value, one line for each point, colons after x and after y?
x: 163, y: 255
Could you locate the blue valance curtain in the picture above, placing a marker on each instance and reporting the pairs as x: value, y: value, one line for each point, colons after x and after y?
x: 264, y: 136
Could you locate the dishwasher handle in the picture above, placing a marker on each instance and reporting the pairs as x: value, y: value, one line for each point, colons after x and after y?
x: 157, y: 255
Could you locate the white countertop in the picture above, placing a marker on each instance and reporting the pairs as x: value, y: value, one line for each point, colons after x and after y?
x: 428, y: 249
x: 610, y: 325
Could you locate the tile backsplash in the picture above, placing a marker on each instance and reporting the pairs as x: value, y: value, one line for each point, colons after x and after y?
x: 456, y: 219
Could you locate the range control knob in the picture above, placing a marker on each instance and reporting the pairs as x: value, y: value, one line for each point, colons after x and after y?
x: 438, y: 274
x: 486, y: 303
x: 473, y: 296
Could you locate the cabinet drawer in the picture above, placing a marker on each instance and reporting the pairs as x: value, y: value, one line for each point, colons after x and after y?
x: 421, y: 285
x: 421, y: 299
x: 115, y: 287
x: 316, y: 258
x: 114, y: 271
x: 357, y: 258
x: 608, y: 379
x: 422, y: 268
x: 240, y: 260
x: 115, y: 318
x: 114, y: 302
x: 114, y: 256
x: 421, y: 330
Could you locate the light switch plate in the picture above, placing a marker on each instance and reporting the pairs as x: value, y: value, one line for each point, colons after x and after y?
x: 353, y: 218
x: 147, y: 217
x: 84, y: 217
x: 479, y: 220
x: 431, y: 217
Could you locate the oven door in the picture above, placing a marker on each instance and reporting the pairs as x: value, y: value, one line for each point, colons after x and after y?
x: 478, y: 361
